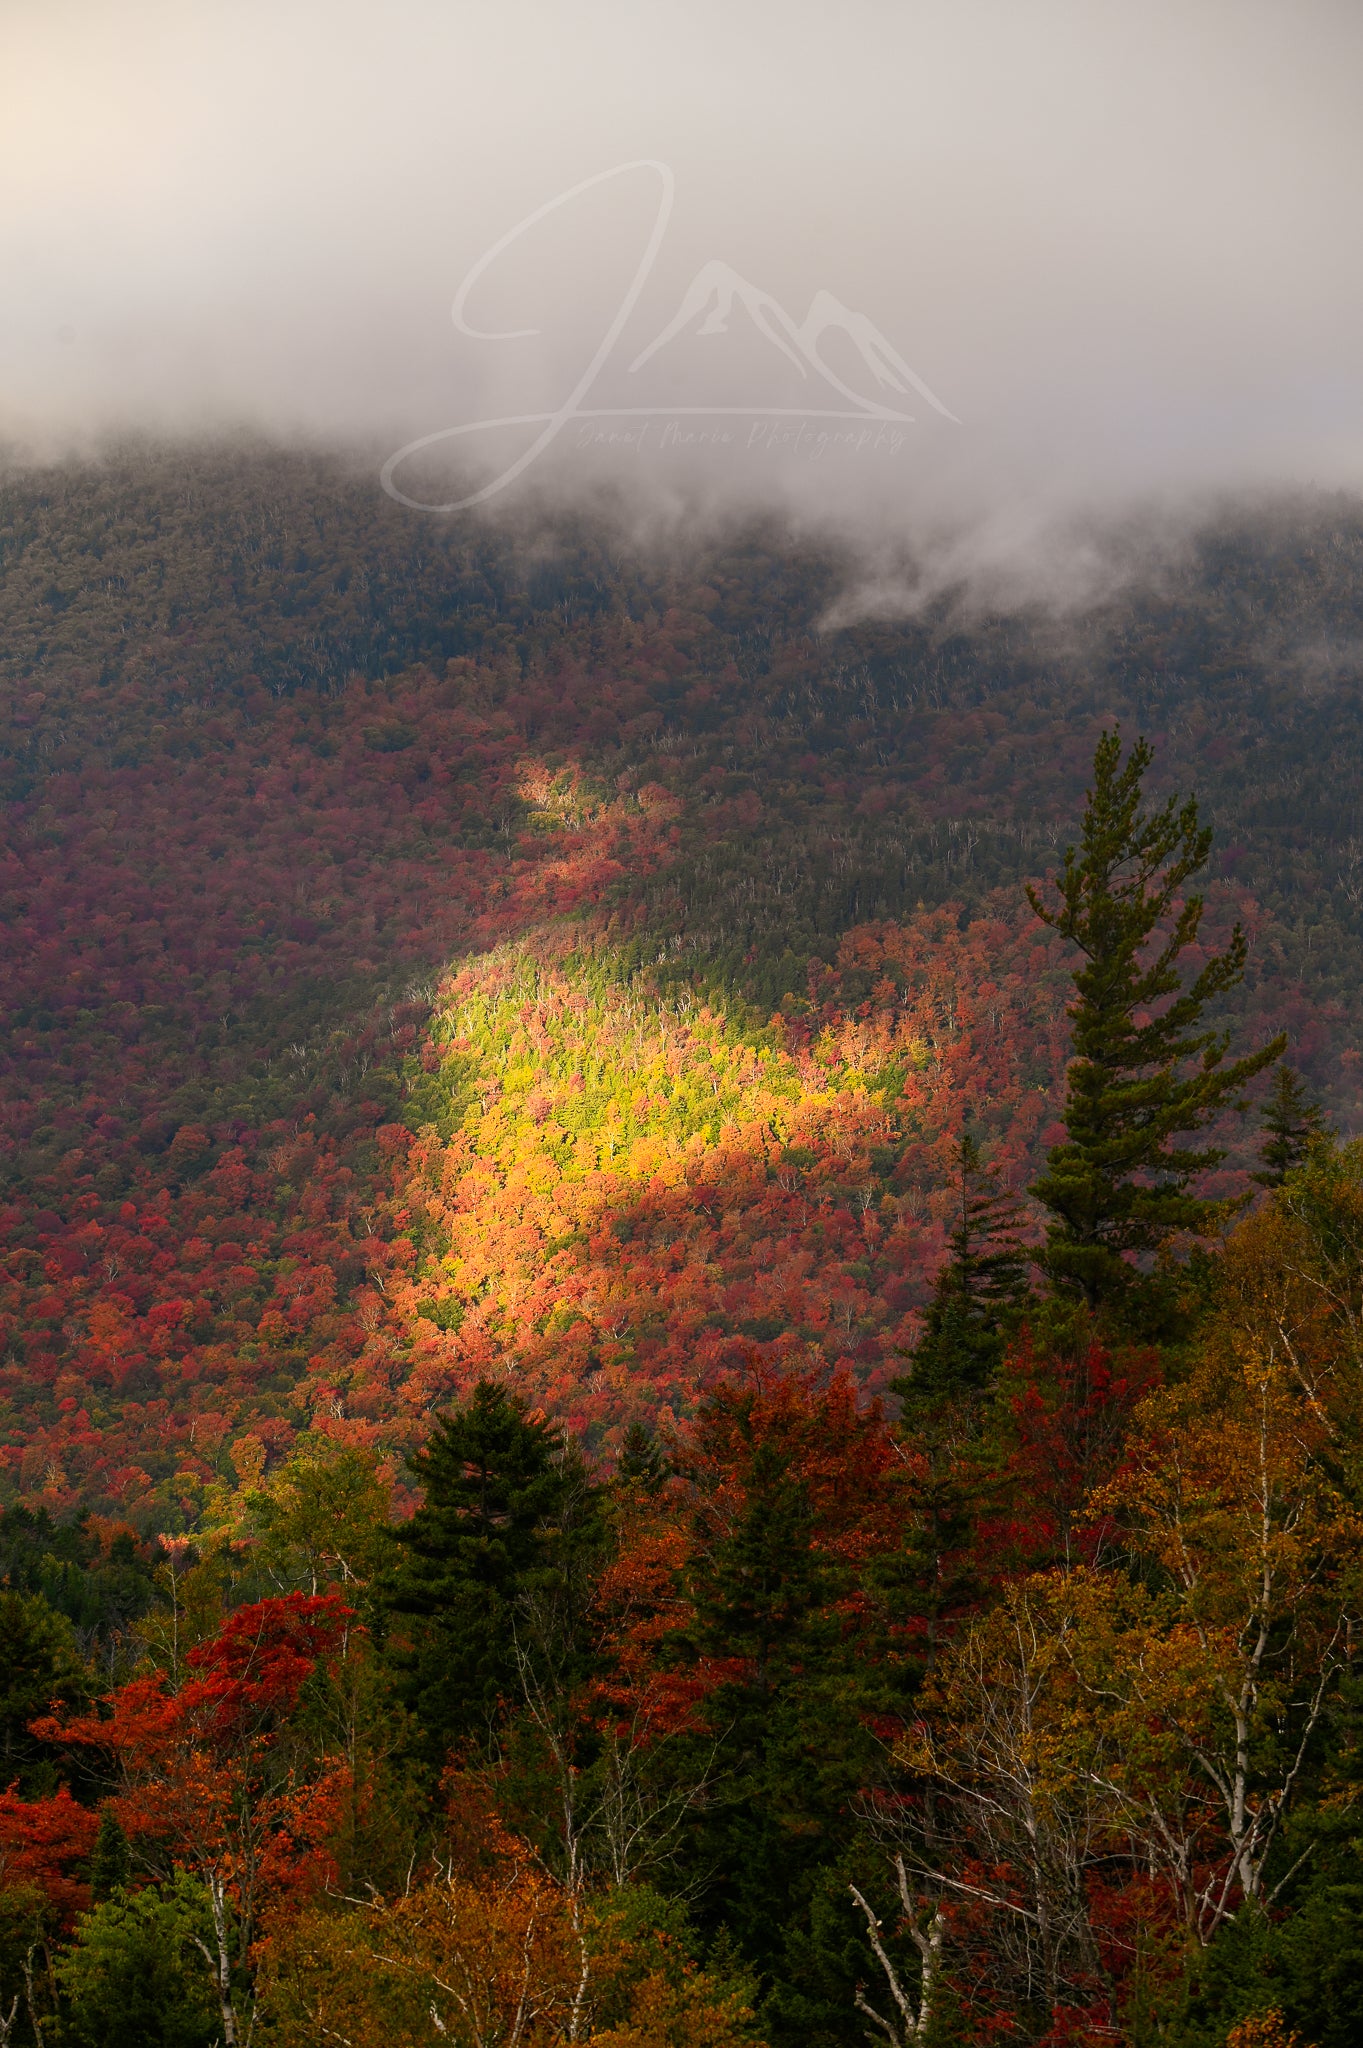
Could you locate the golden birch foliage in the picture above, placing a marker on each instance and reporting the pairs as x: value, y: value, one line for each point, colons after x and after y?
x: 1325, y: 1200
x: 1264, y: 2030
x: 1015, y: 1762
x: 1229, y: 1482
x: 501, y: 1960
x: 1275, y: 1317
x: 481, y: 1965
x: 686, y: 2010
x: 1163, y: 1718
x: 1218, y: 1684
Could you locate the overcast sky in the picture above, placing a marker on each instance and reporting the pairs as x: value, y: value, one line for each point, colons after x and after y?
x: 1121, y: 245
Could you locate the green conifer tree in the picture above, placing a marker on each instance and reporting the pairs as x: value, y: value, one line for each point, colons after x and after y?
x: 1146, y: 1070
x: 984, y: 1278
x: 1292, y: 1123
x: 135, y: 1974
x: 642, y: 1463
x: 980, y: 1287
x: 762, y: 1578
x: 39, y: 1663
x: 788, y: 1749
x: 111, y: 1860
x: 507, y: 1503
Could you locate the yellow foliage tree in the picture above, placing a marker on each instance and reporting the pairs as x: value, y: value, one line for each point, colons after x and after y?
x: 1160, y: 1720
x: 1264, y: 2030
x: 495, y: 1959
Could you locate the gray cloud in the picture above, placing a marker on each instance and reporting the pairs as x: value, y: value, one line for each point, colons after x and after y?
x: 1118, y: 242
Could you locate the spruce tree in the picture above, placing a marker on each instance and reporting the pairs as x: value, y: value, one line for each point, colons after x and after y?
x: 1146, y: 1070
x: 789, y: 1750
x: 642, y: 1463
x: 943, y: 1397
x: 507, y: 1505
x: 762, y: 1577
x: 134, y: 1975
x: 111, y: 1861
x: 985, y: 1276
x: 1292, y: 1124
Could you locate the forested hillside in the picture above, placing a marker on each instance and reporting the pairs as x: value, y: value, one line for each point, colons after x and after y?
x: 279, y: 758
x: 521, y: 986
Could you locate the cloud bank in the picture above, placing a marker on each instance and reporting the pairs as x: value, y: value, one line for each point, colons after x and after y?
x: 1100, y: 253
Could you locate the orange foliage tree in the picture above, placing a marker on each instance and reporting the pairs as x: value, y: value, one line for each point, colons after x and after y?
x: 206, y: 1775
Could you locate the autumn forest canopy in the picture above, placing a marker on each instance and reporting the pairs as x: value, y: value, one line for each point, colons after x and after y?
x: 680, y: 1286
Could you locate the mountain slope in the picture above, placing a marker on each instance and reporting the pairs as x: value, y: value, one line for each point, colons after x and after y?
x: 609, y: 882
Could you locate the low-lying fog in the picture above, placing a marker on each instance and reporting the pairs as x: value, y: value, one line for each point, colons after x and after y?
x: 985, y: 268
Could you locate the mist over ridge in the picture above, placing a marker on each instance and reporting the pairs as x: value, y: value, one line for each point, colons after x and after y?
x: 1113, y: 249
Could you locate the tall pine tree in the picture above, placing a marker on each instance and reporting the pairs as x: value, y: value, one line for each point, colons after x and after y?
x: 1147, y: 1071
